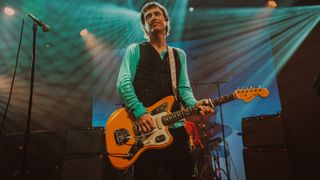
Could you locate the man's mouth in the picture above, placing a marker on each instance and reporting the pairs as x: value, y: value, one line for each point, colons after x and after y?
x: 154, y: 23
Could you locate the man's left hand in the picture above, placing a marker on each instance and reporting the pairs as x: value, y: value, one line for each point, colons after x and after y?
x: 204, y: 107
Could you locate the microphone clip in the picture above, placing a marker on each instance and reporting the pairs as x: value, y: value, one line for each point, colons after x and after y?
x: 44, y: 27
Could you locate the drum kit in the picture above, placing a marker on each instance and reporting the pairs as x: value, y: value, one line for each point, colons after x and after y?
x: 208, y: 149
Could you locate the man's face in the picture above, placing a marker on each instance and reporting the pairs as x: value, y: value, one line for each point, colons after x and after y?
x: 155, y: 20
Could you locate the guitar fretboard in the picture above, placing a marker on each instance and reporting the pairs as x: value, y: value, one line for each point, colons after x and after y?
x: 223, y: 99
x: 178, y: 115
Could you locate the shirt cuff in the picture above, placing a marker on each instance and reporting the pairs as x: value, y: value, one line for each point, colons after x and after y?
x: 139, y: 112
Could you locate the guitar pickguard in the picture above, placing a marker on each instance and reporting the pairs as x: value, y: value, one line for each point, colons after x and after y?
x: 159, y: 135
x: 156, y: 137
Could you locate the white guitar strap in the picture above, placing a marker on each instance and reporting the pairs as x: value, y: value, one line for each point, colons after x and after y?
x: 173, y: 73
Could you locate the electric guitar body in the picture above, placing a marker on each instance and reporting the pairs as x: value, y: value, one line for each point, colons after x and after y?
x: 124, y: 143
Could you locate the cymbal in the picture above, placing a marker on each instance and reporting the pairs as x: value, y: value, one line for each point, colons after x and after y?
x: 215, y: 149
x: 213, y: 130
x: 216, y: 130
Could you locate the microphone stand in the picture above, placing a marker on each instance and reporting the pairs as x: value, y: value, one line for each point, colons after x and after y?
x: 27, y: 130
x: 222, y: 124
x: 223, y: 134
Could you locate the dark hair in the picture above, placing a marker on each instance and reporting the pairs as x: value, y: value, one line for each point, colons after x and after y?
x: 149, y: 6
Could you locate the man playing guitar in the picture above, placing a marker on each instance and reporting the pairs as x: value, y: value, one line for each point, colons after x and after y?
x: 146, y: 77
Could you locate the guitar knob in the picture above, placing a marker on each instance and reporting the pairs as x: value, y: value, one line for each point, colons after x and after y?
x: 160, y: 138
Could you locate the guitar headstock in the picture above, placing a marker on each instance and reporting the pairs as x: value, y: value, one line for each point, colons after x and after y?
x: 248, y: 94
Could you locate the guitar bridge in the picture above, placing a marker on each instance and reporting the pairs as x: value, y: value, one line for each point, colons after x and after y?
x: 121, y: 136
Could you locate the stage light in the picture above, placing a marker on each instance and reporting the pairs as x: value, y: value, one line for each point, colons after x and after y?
x: 9, y: 11
x: 191, y: 9
x: 271, y: 4
x: 84, y: 32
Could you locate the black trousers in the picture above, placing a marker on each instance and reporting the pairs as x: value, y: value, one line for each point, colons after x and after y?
x: 176, y: 160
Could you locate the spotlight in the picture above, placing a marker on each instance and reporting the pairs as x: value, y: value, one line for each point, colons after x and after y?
x: 84, y: 32
x: 191, y: 9
x: 271, y: 4
x: 9, y: 11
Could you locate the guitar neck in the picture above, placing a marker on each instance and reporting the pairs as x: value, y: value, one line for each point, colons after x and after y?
x: 178, y: 115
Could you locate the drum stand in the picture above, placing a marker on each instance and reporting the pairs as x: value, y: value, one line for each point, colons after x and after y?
x: 208, y: 157
x: 217, y: 169
x: 214, y: 149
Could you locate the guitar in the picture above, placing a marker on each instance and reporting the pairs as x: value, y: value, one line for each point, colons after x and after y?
x: 124, y: 143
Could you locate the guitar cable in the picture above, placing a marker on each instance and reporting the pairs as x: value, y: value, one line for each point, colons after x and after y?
x: 119, y: 155
x: 122, y: 155
x: 13, y: 77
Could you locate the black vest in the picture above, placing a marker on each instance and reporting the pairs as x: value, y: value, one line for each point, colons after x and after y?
x: 152, y: 80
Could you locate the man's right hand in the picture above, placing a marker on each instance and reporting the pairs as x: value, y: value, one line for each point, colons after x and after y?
x: 146, y: 123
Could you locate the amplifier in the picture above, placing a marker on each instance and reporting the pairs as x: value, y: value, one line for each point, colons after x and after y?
x: 82, y: 140
x: 83, y: 168
x: 44, y: 155
x: 264, y: 130
x: 85, y: 155
x: 266, y: 164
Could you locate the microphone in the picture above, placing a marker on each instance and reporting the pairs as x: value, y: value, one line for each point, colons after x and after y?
x: 44, y: 27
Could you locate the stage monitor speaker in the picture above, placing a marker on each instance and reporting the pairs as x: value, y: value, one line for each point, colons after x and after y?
x: 79, y: 140
x: 83, y: 168
x: 85, y: 156
x: 44, y: 155
x: 267, y: 164
x: 264, y: 130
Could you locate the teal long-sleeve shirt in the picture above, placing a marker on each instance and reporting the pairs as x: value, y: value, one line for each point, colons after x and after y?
x: 127, y: 73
